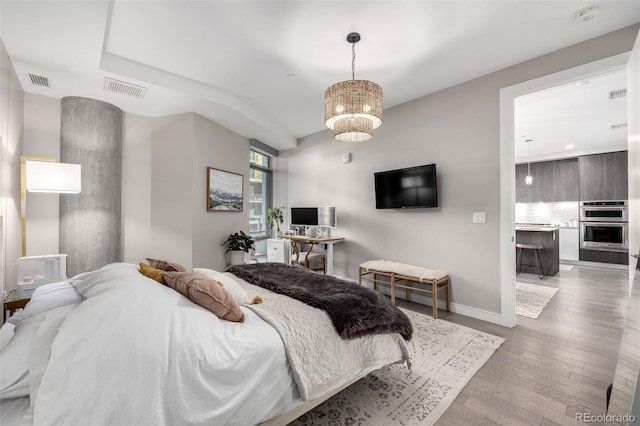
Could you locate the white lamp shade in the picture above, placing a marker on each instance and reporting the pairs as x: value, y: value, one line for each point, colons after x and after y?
x: 45, y: 176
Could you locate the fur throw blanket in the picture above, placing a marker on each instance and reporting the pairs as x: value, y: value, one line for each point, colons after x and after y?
x: 354, y: 309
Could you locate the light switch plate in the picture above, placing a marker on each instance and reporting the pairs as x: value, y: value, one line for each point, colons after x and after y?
x: 479, y: 217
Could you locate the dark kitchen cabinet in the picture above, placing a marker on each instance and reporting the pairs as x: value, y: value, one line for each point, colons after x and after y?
x: 542, y: 186
x: 566, y: 180
x: 523, y: 191
x: 604, y: 176
x: 552, y: 181
x: 541, y: 189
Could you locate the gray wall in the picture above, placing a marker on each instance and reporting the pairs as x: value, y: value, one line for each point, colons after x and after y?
x: 182, y: 148
x: 11, y: 118
x: 164, y: 164
x: 136, y: 188
x: 459, y: 130
x: 42, y: 139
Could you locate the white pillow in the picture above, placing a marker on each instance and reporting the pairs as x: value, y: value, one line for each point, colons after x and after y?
x: 47, y: 297
x: 229, y: 284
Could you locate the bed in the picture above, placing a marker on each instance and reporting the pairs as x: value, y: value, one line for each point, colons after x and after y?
x: 123, y: 349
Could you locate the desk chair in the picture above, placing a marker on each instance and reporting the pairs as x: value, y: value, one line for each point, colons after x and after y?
x: 315, y: 261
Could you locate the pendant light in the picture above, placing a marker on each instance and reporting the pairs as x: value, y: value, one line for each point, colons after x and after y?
x: 529, y: 179
x: 353, y: 108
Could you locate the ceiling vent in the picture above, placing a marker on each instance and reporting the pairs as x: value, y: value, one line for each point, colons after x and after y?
x: 620, y: 93
x: 619, y: 126
x: 116, y: 86
x: 38, y: 80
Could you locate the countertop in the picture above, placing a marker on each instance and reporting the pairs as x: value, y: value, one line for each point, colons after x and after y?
x: 537, y: 228
x: 542, y: 227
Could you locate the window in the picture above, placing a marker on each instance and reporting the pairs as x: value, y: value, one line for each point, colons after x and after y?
x: 260, y: 188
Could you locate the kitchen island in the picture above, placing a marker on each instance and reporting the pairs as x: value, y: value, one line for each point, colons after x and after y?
x: 548, y: 238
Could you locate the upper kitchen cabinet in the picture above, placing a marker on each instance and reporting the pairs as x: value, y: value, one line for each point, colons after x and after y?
x: 523, y: 191
x: 541, y: 188
x: 603, y: 176
x: 552, y: 181
x: 542, y: 185
x: 566, y: 180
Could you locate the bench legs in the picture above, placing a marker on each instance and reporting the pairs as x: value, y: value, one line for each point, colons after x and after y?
x: 394, y: 281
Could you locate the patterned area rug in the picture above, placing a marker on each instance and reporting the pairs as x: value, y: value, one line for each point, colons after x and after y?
x: 444, y: 358
x: 531, y: 299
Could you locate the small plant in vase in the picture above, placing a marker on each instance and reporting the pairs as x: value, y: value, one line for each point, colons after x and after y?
x: 275, y: 216
x: 237, y: 245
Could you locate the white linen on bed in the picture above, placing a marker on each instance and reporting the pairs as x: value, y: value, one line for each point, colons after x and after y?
x: 12, y: 410
x: 137, y: 352
x: 319, y: 358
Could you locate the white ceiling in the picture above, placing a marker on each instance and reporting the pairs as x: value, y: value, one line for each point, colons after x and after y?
x: 260, y: 68
x: 571, y: 119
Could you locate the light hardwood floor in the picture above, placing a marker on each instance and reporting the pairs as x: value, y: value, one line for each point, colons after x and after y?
x: 552, y: 367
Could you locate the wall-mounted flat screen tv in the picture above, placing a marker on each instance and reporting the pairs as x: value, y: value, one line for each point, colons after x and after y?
x: 304, y: 216
x: 407, y: 188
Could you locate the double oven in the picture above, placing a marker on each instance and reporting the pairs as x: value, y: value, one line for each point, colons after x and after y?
x: 604, y: 225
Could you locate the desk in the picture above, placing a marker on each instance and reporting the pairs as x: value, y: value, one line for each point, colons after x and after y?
x: 327, y: 241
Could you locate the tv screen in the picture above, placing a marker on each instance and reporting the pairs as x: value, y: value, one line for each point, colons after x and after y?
x: 303, y: 216
x: 406, y: 188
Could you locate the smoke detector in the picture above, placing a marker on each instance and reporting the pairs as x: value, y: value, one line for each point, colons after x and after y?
x: 588, y: 14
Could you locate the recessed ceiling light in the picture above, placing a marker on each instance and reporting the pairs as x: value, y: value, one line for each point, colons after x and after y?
x: 291, y: 75
x: 570, y: 146
x: 588, y: 14
x: 582, y: 83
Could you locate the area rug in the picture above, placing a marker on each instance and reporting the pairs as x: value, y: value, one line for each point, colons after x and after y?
x: 531, y: 299
x: 444, y: 357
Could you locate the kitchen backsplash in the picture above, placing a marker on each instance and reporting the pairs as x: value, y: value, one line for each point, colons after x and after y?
x: 560, y: 213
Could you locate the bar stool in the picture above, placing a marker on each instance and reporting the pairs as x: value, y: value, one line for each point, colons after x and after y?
x: 535, y: 248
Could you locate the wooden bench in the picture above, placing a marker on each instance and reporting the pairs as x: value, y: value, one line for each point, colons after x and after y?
x: 407, y: 277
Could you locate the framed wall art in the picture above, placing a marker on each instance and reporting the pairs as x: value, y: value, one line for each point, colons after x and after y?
x: 224, y: 191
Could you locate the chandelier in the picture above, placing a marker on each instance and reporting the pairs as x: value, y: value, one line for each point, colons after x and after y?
x: 353, y: 108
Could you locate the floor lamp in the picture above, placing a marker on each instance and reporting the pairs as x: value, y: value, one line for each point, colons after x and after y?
x: 40, y: 174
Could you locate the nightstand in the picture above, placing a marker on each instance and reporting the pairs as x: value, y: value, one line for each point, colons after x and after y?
x: 12, y: 306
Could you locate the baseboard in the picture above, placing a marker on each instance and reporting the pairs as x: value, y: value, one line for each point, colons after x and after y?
x: 457, y: 308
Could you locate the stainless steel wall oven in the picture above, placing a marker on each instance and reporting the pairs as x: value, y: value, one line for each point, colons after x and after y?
x: 604, y: 225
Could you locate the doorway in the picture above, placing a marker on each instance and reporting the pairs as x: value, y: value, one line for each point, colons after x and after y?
x: 508, y: 137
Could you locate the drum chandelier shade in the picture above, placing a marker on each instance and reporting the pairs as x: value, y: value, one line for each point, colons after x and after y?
x: 353, y: 108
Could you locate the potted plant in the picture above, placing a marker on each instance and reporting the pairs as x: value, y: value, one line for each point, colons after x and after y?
x: 275, y: 215
x: 237, y: 245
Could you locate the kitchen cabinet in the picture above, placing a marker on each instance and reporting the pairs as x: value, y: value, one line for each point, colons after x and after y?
x: 549, y: 255
x: 566, y: 180
x: 523, y: 191
x: 603, y: 176
x: 552, y: 181
x: 541, y: 189
x: 542, y: 186
x: 569, y: 244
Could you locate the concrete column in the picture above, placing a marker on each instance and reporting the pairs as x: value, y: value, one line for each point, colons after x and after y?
x: 91, y: 133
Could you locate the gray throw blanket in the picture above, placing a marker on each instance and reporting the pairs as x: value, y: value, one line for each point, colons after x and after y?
x: 355, y: 310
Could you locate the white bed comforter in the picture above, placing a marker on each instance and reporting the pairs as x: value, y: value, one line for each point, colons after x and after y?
x: 138, y: 353
x: 319, y: 358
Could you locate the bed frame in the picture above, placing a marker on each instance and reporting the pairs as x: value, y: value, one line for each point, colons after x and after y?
x: 306, y: 406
